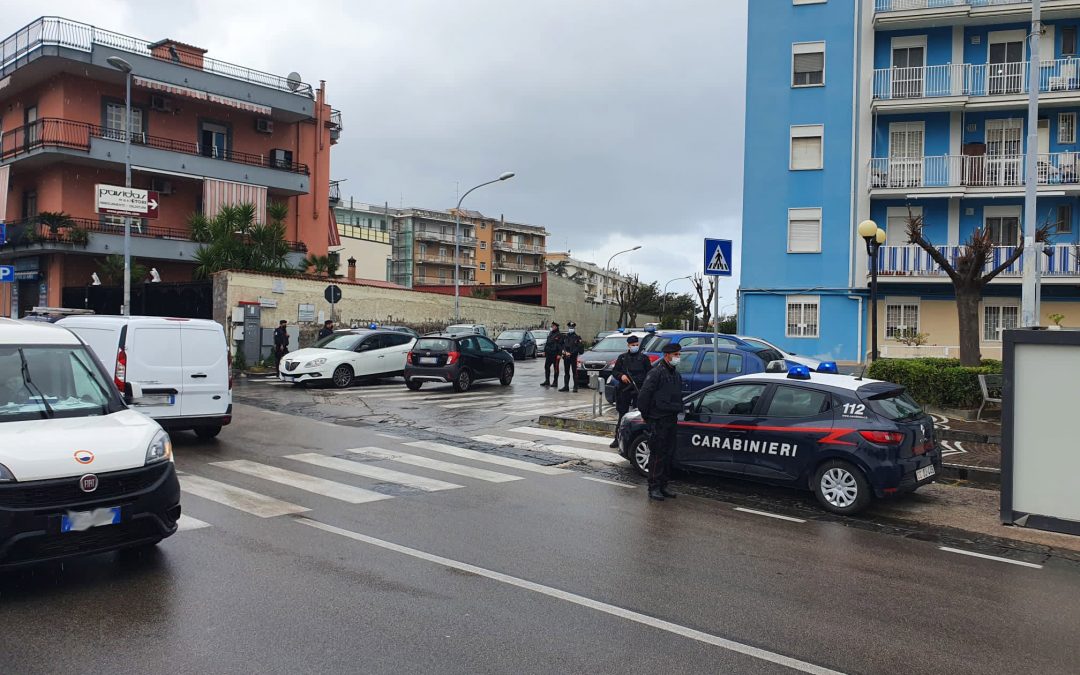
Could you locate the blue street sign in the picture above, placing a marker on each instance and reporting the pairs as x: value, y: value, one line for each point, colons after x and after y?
x: 718, y: 257
x: 7, y: 274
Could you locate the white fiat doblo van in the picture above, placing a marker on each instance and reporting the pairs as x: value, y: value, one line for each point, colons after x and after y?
x: 80, y: 472
x: 177, y: 371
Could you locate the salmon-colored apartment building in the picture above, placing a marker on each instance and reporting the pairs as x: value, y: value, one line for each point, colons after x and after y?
x: 204, y: 134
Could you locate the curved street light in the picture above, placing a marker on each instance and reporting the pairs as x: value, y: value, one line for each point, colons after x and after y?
x: 607, y: 267
x: 874, y: 237
x: 663, y: 299
x: 457, y: 241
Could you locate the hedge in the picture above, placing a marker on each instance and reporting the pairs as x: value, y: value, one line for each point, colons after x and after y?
x: 938, y: 382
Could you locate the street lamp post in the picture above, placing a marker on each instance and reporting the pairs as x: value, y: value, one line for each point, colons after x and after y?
x: 608, y: 268
x: 457, y: 242
x: 874, y: 237
x: 125, y: 67
x: 663, y: 300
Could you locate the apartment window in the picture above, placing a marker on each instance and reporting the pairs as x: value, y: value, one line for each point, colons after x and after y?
x: 442, y: 251
x: 1064, y: 219
x: 483, y: 265
x: 421, y: 249
x: 1067, y: 127
x: 808, y: 64
x: 1003, y: 225
x: 520, y: 279
x: 1068, y: 41
x: 215, y: 140
x: 29, y: 204
x: 806, y: 147
x: 997, y: 318
x: 116, y: 122
x: 804, y: 231
x: 483, y: 246
x: 802, y: 316
x: 901, y: 318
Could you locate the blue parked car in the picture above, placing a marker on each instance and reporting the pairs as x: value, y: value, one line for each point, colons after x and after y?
x: 696, y: 366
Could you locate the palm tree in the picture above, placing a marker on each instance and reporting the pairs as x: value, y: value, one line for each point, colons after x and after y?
x: 322, y: 265
x: 111, y: 271
x: 234, y: 240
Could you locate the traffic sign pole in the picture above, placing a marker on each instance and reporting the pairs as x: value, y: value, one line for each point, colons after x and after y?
x: 717, y: 264
x: 716, y: 331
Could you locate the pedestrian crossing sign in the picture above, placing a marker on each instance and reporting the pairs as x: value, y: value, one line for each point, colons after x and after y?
x: 718, y: 257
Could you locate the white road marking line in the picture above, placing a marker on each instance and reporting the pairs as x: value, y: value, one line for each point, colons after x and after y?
x: 506, y: 440
x: 609, y: 456
x: 376, y: 472
x: 609, y: 482
x: 561, y: 435
x: 320, y: 486
x: 501, y: 400
x: 391, y: 436
x: 770, y: 515
x: 613, y: 610
x: 188, y: 523
x: 547, y: 411
x: 990, y: 557
x: 436, y: 465
x: 485, y: 457
x: 237, y: 498
x: 960, y: 446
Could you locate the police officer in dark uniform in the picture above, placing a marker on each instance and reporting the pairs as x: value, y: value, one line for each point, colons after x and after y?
x: 552, y: 351
x: 572, y: 347
x: 629, y: 374
x: 281, y: 341
x: 661, y: 401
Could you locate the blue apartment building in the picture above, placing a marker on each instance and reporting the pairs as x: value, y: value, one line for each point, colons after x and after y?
x: 879, y: 109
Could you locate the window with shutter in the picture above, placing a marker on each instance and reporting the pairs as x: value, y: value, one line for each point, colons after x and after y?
x: 901, y: 319
x: 802, y: 316
x: 1067, y: 127
x: 808, y: 64
x: 806, y: 147
x: 804, y: 230
x: 1064, y: 219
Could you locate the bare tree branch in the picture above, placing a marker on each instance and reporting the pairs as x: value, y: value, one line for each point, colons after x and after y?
x: 915, y: 236
x: 1041, y: 235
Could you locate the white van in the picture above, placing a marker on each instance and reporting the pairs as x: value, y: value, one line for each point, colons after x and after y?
x: 177, y: 371
x: 80, y: 472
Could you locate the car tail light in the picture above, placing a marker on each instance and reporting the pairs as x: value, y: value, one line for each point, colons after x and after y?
x: 653, y: 358
x: 883, y: 437
x: 409, y: 358
x: 452, y: 358
x: 120, y: 372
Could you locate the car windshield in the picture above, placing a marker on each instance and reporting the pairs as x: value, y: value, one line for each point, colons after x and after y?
x: 897, y: 405
x: 44, y: 382
x: 343, y: 341
x: 610, y: 344
x: 434, y: 344
x: 540, y: 334
x: 511, y: 335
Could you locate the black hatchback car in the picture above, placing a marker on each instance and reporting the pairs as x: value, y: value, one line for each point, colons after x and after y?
x: 520, y: 343
x: 458, y: 359
x: 845, y: 438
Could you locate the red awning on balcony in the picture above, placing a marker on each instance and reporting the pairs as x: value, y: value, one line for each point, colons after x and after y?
x: 335, y: 237
x: 218, y: 193
x: 5, y: 174
x: 201, y: 95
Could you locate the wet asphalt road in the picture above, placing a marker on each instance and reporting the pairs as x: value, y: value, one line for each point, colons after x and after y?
x: 512, y: 572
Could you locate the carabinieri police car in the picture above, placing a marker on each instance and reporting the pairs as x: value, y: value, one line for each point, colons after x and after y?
x: 846, y: 438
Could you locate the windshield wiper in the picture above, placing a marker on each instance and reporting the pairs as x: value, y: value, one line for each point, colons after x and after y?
x: 104, y: 394
x: 47, y: 411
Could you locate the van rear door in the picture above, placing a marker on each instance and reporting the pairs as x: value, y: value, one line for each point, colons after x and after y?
x: 205, y: 370
x: 153, y: 362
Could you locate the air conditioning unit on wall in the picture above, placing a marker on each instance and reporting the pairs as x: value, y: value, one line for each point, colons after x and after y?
x: 264, y: 126
x: 160, y: 103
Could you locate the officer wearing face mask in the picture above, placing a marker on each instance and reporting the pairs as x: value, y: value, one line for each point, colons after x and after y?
x: 660, y: 402
x: 572, y: 347
x: 629, y: 374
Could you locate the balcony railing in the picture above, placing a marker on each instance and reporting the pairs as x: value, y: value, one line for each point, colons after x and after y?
x: 54, y: 31
x: 440, y: 281
x: 335, y: 192
x: 430, y: 235
x: 500, y: 245
x: 465, y: 261
x: 519, y: 267
x: 974, y: 79
x: 904, y: 5
x: 913, y: 261
x: 1058, y: 168
x: 59, y: 133
x: 31, y: 231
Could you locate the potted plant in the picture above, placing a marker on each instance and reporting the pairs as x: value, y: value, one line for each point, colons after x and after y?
x: 79, y: 236
x: 1057, y: 319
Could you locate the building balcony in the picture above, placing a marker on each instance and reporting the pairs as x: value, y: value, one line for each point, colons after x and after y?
x: 335, y: 192
x: 974, y: 85
x: 335, y: 126
x: 419, y: 280
x: 447, y: 238
x: 500, y: 245
x: 79, y: 139
x: 912, y: 263
x: 517, y: 267
x: 896, y: 14
x: 958, y: 175
x: 432, y: 258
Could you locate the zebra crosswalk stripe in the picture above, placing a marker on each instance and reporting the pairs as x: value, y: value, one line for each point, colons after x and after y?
x: 188, y: 523
x: 435, y: 465
x: 501, y: 399
x: 376, y: 472
x: 485, y: 457
x: 561, y: 435
x: 320, y: 486
x: 605, y: 456
x: 236, y: 497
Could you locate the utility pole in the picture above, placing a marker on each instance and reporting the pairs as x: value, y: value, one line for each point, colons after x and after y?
x: 1030, y: 300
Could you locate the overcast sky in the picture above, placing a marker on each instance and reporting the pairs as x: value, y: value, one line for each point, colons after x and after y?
x: 622, y: 118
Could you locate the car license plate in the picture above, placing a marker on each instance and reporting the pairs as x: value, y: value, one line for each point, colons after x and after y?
x: 925, y: 472
x: 79, y: 521
x: 428, y: 360
x: 158, y: 399
x: 287, y: 378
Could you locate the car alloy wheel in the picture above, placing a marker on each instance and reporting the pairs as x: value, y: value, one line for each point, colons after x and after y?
x: 507, y: 375
x: 839, y: 487
x: 641, y: 456
x: 463, y: 381
x: 343, y: 376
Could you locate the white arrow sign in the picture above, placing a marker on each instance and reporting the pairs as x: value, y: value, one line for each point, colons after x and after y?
x: 125, y: 201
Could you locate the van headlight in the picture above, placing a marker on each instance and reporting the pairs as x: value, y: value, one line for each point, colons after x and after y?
x: 160, y: 449
x: 5, y: 475
x: 315, y: 362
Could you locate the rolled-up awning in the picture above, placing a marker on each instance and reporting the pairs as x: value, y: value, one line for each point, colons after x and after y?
x: 5, y: 174
x: 200, y: 95
x: 218, y: 193
x: 335, y: 236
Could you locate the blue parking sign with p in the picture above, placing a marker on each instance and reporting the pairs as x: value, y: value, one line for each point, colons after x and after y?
x: 7, y: 273
x: 718, y: 257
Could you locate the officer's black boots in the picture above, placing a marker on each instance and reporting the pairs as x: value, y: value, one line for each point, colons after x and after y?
x: 614, y: 443
x: 656, y: 494
x: 668, y: 493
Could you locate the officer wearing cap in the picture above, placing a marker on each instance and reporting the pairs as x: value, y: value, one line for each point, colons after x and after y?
x: 629, y: 374
x: 572, y: 347
x: 660, y: 401
x: 552, y: 351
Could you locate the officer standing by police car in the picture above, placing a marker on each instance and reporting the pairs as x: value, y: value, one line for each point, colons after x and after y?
x: 629, y: 374
x: 552, y: 350
x: 660, y: 402
x: 572, y: 347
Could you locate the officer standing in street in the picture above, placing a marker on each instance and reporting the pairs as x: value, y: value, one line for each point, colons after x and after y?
x: 660, y: 402
x: 552, y: 350
x: 572, y: 347
x: 629, y: 374
x: 327, y: 329
x: 281, y: 341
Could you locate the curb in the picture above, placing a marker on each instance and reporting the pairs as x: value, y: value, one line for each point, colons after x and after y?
x: 595, y: 426
x: 981, y: 476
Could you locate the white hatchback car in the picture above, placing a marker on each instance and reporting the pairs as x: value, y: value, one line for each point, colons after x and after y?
x: 80, y: 473
x: 792, y: 358
x: 348, y: 355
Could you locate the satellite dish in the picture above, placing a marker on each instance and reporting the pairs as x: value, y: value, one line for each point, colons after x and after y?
x: 294, y: 81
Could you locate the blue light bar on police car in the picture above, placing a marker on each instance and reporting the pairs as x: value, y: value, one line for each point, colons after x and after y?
x: 373, y: 325
x: 828, y: 367
x: 798, y: 373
